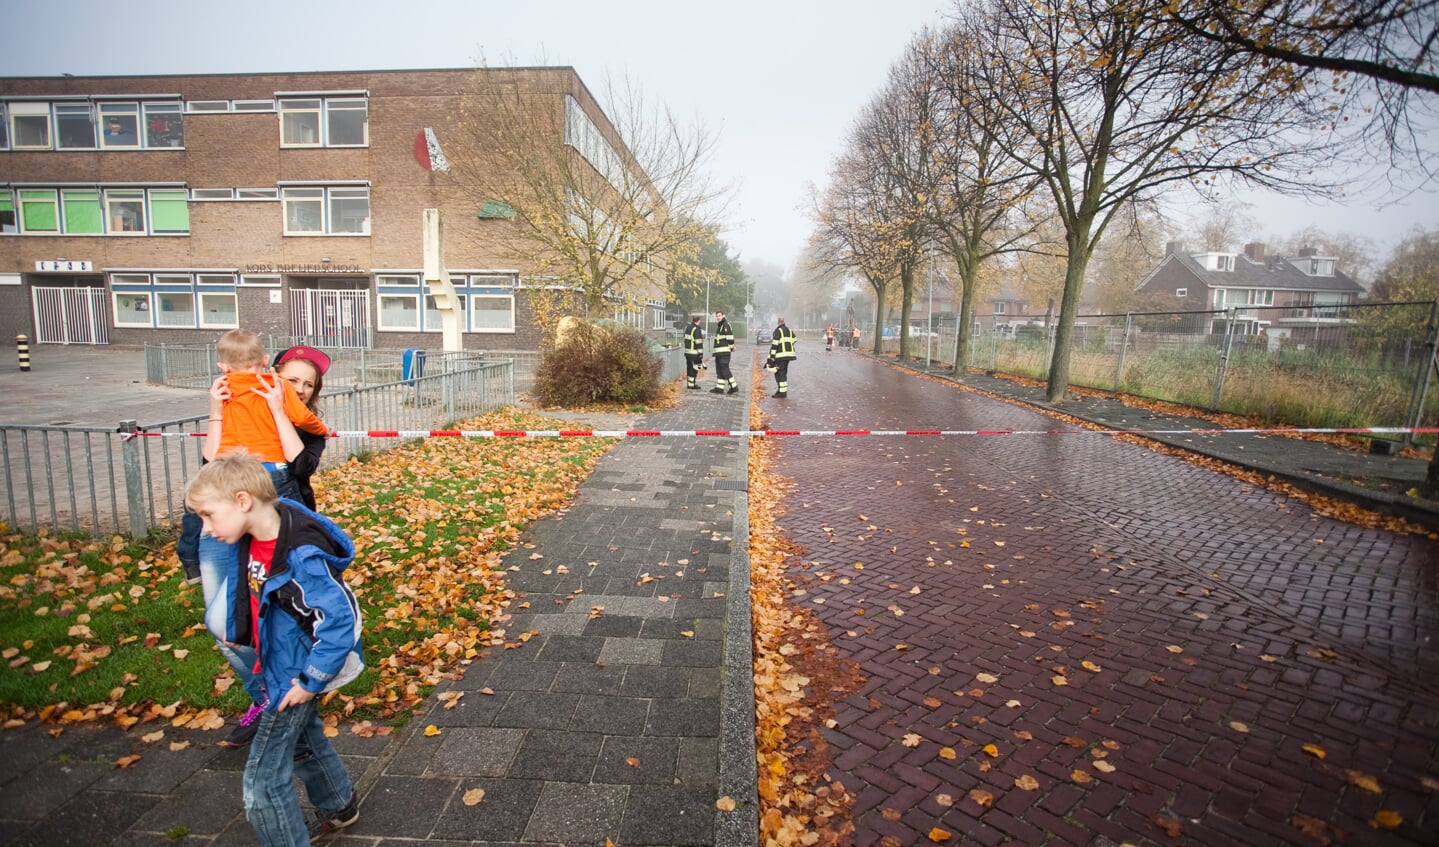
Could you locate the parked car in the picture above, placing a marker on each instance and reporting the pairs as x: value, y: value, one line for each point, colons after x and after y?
x: 763, y: 336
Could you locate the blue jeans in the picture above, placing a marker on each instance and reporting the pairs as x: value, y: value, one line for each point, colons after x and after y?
x: 289, y: 744
x: 219, y: 571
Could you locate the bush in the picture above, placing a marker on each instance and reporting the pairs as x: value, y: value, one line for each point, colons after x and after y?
x: 592, y: 363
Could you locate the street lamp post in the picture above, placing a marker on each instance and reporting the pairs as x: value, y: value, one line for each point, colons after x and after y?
x: 929, y: 328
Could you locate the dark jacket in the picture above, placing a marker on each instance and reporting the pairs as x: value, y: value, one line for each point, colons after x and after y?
x: 309, y: 624
x: 781, y: 345
x: 303, y: 466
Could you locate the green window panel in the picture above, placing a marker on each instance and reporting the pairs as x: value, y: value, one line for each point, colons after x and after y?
x: 38, y: 212
x: 169, y: 211
x: 82, y: 212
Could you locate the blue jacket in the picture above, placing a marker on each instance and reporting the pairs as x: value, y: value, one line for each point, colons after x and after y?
x: 309, y: 624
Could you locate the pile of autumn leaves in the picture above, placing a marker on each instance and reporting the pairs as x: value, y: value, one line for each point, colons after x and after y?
x: 430, y: 521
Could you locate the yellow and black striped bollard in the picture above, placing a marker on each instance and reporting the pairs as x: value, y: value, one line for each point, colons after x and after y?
x: 22, y: 347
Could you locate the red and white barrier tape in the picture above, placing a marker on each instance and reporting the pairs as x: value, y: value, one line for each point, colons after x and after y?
x: 767, y: 433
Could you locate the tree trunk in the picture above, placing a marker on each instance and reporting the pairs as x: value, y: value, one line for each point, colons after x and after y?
x: 964, y: 327
x: 906, y: 304
x: 1074, y: 268
x: 878, y: 319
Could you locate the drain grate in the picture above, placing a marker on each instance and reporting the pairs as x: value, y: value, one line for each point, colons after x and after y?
x: 732, y: 485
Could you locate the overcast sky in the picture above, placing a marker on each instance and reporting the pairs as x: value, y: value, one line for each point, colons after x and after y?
x: 779, y: 80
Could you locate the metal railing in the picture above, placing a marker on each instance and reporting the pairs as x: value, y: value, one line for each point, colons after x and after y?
x: 110, y: 479
x: 102, y: 480
x: 1355, y: 365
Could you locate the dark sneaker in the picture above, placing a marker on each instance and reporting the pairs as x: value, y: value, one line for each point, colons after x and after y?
x: 192, y: 573
x: 733, y: 391
x: 779, y: 394
x: 326, y: 823
x: 716, y: 390
x: 244, y: 731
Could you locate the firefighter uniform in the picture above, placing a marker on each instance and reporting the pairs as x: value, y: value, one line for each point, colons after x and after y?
x: 694, y: 352
x: 725, y: 382
x: 781, y: 351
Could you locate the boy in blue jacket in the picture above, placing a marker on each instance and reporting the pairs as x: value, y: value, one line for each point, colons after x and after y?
x: 294, y: 607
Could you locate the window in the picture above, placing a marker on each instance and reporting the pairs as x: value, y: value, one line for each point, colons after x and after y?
x: 258, y: 193
x: 208, y: 106
x: 74, y: 126
x: 304, y: 210
x: 335, y: 210
x: 1224, y: 262
x: 4, y: 128
x: 350, y: 210
x: 132, y: 309
x: 254, y: 105
x: 7, y: 212
x: 1181, y: 292
x: 169, y: 211
x: 39, y: 211
x: 324, y: 122
x: 492, y: 303
x: 30, y: 126
x: 121, y: 122
x: 434, y: 322
x: 175, y: 308
x: 1261, y: 297
x: 217, y: 311
x: 212, y: 194
x: 1000, y: 308
x: 163, y: 125
x: 399, y: 312
x: 125, y: 209
x: 82, y: 211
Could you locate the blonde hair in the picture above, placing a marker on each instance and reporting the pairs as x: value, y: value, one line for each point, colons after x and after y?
x: 240, y: 348
x: 228, y: 475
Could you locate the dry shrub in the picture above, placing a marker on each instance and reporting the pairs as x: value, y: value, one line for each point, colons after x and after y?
x: 593, y: 363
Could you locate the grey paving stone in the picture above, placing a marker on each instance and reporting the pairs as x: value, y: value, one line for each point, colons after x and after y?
x: 670, y: 815
x: 558, y: 624
x: 557, y: 756
x: 570, y: 648
x: 47, y: 787
x: 27, y: 747
x: 582, y: 678
x: 210, y: 801
x: 656, y: 681
x: 687, y: 652
x: 646, y: 607
x: 630, y: 760
x: 611, y: 715
x: 698, y: 762
x: 538, y: 709
x: 689, y: 718
x: 614, y: 626
x: 473, y: 709
x: 517, y: 673
x: 502, y: 814
x: 476, y: 752
x: 631, y: 651
x: 403, y: 806
x: 578, y: 814
x: 89, y: 818
x: 708, y: 606
x: 705, y: 683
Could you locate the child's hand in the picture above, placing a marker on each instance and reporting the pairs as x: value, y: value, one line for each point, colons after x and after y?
x: 296, y: 696
x: 273, y: 392
x: 219, y: 392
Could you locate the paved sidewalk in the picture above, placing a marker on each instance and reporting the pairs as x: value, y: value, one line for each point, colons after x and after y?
x: 1077, y: 640
x: 626, y: 715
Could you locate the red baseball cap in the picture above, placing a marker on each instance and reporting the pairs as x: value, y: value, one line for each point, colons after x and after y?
x: 309, y: 354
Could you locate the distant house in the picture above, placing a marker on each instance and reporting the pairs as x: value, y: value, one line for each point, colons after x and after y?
x: 1293, y: 298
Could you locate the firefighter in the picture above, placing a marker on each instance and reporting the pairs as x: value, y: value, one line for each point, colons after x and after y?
x: 829, y: 338
x: 694, y: 352
x: 725, y: 382
x: 781, y: 353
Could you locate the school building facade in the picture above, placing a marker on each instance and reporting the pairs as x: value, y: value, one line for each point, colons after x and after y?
x: 168, y: 209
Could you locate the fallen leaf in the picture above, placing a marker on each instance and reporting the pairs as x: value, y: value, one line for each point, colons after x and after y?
x: 890, y: 814
x: 473, y: 796
x: 981, y: 798
x: 910, y: 740
x: 991, y: 751
x: 944, y: 800
x: 1238, y: 726
x: 725, y: 804
x: 947, y: 753
x: 1314, y: 750
x: 1103, y: 767
x: 632, y: 761
x: 431, y: 731
x: 127, y: 761
x: 1170, y: 826
x: 1027, y: 783
x: 1081, y: 777
x: 1364, y: 781
x: 939, y: 836
x: 1385, y: 819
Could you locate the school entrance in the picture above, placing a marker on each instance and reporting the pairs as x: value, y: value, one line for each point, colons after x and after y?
x: 337, y: 315
x: 71, y: 314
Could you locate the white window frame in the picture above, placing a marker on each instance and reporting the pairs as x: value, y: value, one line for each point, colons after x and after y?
x: 72, y: 109
x: 253, y: 105
x: 207, y: 194
x: 122, y: 111
x: 217, y: 296
x: 475, y: 297
x: 413, y: 299
x: 167, y: 109
x: 337, y: 106
x: 432, y: 313
x: 4, y: 127
x: 324, y: 110
x: 307, y: 195
x: 207, y: 107
x: 260, y: 281
x: 257, y: 194
x: 1261, y: 297
x: 21, y: 201
x: 126, y: 196
x: 164, y: 297
x: 1181, y: 292
x: 146, y: 296
x: 326, y: 197
x: 30, y: 111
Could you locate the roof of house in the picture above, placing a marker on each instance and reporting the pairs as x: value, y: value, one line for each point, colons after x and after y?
x: 1276, y: 272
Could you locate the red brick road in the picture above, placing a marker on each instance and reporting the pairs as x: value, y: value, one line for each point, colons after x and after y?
x: 1207, y: 632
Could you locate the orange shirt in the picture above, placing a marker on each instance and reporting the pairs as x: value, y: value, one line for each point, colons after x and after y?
x: 246, y: 420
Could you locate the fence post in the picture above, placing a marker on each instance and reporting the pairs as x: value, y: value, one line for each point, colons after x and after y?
x: 1424, y: 373
x: 1223, y: 366
x: 134, y: 478
x: 1123, y: 348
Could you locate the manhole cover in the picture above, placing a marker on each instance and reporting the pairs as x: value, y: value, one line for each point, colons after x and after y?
x: 732, y: 484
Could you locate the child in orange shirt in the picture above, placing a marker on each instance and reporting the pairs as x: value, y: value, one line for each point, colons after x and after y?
x: 245, y: 417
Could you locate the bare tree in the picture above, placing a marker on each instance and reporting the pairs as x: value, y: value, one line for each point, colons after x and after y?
x: 607, y: 209
x: 1109, y: 104
x: 1225, y: 226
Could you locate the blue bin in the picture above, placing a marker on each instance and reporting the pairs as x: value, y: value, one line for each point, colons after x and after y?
x: 412, y: 364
